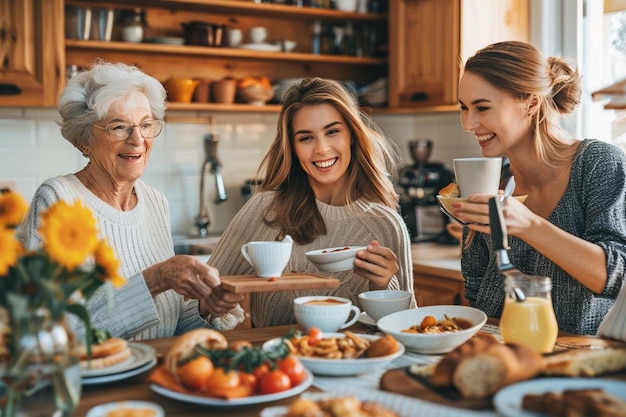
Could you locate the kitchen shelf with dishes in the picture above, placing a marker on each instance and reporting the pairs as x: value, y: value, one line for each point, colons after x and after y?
x: 191, y: 39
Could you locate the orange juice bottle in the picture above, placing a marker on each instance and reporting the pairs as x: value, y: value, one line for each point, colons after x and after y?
x: 528, y: 316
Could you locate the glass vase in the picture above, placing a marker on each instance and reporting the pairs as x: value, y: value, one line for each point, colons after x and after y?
x: 42, y: 370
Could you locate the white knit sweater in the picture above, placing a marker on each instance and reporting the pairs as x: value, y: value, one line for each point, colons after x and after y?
x: 140, y: 237
x: 356, y: 225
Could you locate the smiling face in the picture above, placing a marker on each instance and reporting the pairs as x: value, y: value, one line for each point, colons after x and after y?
x: 123, y: 160
x: 322, y: 145
x: 499, y: 121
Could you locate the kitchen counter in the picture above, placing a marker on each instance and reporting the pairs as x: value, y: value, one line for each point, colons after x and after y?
x: 437, y: 278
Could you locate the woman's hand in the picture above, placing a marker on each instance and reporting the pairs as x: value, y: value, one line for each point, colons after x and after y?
x: 377, y: 263
x: 184, y: 274
x: 220, y: 301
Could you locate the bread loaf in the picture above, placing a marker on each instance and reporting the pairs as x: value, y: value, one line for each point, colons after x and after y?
x: 482, y: 374
x: 442, y: 374
x: 586, y: 362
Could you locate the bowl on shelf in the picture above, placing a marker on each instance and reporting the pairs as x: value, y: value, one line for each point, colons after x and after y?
x: 180, y: 89
x: 255, y: 94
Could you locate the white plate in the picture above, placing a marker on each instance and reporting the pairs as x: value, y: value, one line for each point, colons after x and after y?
x: 221, y: 402
x: 140, y: 355
x: 103, y: 410
x: 508, y: 401
x: 267, y: 47
x: 366, y: 320
x: 343, y: 367
x: 104, y: 379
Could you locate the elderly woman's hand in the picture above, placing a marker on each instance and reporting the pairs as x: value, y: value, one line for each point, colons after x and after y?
x: 378, y: 264
x: 184, y: 274
x: 220, y: 301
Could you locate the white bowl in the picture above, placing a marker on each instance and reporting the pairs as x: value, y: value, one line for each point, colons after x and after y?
x: 103, y: 410
x: 343, y: 367
x: 394, y: 323
x: 378, y: 303
x: 340, y: 258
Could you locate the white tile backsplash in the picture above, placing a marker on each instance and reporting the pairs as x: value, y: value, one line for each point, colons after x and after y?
x: 32, y: 149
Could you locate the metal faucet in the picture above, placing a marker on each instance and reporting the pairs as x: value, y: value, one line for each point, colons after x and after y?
x: 210, y: 159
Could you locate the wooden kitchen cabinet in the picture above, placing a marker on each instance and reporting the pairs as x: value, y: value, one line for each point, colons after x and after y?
x: 429, y: 39
x: 32, y: 53
x: 438, y: 290
x: 164, y: 18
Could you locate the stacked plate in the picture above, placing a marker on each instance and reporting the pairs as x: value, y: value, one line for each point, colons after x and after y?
x: 142, y: 358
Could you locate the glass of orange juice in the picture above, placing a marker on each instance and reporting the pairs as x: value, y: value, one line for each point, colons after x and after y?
x: 529, y: 319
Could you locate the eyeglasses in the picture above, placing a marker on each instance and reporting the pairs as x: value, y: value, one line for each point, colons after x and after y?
x: 122, y: 130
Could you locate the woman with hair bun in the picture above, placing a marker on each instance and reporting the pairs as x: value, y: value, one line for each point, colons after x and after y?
x: 572, y: 226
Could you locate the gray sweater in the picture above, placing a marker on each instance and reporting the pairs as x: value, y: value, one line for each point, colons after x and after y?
x: 356, y: 225
x: 593, y: 207
x: 140, y: 237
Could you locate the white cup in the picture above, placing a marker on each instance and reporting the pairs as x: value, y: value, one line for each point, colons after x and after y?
x: 477, y: 175
x: 379, y: 303
x: 235, y: 36
x: 268, y: 258
x: 257, y: 34
x: 325, y: 312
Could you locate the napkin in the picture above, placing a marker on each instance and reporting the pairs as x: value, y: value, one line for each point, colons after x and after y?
x: 613, y: 325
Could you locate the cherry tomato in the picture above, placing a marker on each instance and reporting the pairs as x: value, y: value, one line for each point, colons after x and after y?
x: 274, y: 381
x: 249, y: 379
x: 294, y: 369
x: 315, y: 335
x: 195, y: 373
x: 220, y: 378
x: 260, y: 371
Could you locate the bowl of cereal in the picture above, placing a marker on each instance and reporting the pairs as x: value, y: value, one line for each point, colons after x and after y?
x: 335, y: 259
x: 433, y: 329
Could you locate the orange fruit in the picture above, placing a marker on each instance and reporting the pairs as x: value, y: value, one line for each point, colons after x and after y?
x: 195, y: 374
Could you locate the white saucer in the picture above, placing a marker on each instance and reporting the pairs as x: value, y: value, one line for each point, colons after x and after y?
x: 267, y: 47
x: 366, y: 320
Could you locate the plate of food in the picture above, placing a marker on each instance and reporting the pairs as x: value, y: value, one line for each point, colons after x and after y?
x: 538, y: 397
x: 202, y: 367
x: 116, y: 356
x: 341, y: 354
x: 433, y: 329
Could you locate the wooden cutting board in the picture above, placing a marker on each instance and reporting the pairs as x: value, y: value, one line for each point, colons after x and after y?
x: 401, y: 381
x: 290, y: 281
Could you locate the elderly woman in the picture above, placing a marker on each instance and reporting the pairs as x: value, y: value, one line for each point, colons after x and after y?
x: 327, y: 182
x: 113, y: 113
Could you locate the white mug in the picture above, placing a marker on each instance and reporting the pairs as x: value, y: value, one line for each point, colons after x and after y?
x: 477, y: 175
x: 327, y: 313
x: 269, y: 258
x: 257, y: 34
x: 235, y: 36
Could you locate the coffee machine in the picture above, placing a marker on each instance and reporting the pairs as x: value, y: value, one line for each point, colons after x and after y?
x: 418, y: 185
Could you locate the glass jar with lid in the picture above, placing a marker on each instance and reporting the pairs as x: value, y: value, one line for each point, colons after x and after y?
x: 528, y: 315
x: 132, y: 25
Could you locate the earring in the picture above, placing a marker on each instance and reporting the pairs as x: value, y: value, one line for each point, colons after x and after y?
x: 84, y: 150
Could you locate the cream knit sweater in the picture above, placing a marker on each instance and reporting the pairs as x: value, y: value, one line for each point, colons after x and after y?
x: 355, y: 225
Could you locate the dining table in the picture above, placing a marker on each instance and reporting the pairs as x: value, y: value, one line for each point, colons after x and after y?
x: 138, y: 388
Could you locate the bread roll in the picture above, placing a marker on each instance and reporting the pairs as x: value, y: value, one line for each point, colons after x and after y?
x: 442, y: 374
x: 482, y: 374
x: 575, y: 402
x: 450, y: 190
x: 586, y: 362
x: 185, y: 345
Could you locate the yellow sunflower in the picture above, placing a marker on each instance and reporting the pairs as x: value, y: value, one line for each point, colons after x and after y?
x: 105, y: 258
x: 12, y: 209
x: 10, y: 249
x: 69, y: 233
